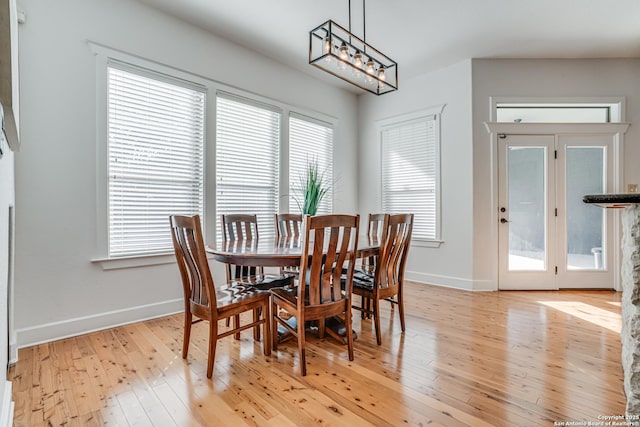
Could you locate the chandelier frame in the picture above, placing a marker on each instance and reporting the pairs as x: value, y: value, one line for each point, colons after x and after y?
x: 339, y: 52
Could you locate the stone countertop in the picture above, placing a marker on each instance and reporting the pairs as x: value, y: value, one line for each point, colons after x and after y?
x: 613, y: 200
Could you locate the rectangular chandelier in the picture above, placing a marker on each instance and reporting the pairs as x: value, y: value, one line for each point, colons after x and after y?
x: 337, y: 51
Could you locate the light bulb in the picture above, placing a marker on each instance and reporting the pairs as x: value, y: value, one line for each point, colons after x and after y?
x: 358, y: 65
x: 370, y: 71
x: 381, y: 74
x: 326, y: 47
x: 370, y: 67
x: 357, y: 60
x: 344, y: 52
x: 344, y: 57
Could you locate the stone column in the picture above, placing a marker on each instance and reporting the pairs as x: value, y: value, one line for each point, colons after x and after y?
x: 630, y: 335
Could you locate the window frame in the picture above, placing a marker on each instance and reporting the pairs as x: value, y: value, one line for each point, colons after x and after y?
x: 436, y: 113
x: 616, y: 104
x: 103, y: 56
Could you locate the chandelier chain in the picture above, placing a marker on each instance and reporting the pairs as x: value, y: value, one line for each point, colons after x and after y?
x: 364, y: 20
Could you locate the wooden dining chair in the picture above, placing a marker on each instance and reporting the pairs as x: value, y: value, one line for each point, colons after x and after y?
x: 376, y: 225
x: 329, y: 245
x: 388, y: 278
x: 242, y: 229
x: 288, y: 226
x: 203, y: 301
x: 375, y: 228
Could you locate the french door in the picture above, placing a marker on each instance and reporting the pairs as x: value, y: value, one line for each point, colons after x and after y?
x: 547, y: 237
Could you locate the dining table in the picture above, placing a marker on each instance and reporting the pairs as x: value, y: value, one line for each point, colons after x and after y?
x: 281, y: 252
x: 276, y: 251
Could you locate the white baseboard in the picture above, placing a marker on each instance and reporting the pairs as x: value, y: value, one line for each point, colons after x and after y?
x: 81, y: 325
x: 6, y: 406
x: 13, y: 351
x: 451, y: 282
x: 485, y: 285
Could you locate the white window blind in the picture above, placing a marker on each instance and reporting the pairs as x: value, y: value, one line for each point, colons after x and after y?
x: 247, y: 160
x: 155, y: 150
x: 410, y: 181
x: 309, y: 141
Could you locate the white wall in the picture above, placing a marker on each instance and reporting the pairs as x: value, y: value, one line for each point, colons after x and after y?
x: 58, y: 290
x: 451, y: 263
x: 568, y: 78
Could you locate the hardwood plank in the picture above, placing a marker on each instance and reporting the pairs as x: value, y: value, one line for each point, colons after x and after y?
x: 466, y: 359
x: 173, y: 411
x: 20, y: 375
x: 114, y: 362
x: 133, y: 409
x: 186, y: 392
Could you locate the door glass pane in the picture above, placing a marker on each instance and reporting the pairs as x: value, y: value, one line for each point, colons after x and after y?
x: 527, y: 208
x: 585, y: 223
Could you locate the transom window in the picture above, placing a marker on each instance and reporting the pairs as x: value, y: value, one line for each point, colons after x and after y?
x: 555, y: 112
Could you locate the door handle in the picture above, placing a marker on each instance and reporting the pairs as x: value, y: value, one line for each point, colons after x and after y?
x: 504, y: 220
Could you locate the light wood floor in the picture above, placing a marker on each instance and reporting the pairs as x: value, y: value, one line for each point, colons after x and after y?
x: 467, y: 359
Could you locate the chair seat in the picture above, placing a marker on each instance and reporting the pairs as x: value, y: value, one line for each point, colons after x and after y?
x: 266, y: 282
x: 361, y: 279
x: 236, y: 294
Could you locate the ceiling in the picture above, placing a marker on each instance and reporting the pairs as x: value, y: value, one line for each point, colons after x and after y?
x: 424, y: 35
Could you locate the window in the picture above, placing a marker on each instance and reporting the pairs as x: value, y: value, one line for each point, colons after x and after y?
x: 410, y: 172
x: 155, y: 125
x: 155, y: 134
x: 555, y: 113
x: 247, y: 160
x: 309, y: 141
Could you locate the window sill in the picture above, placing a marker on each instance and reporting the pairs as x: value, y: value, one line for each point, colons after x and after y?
x: 427, y: 243
x: 134, y: 261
